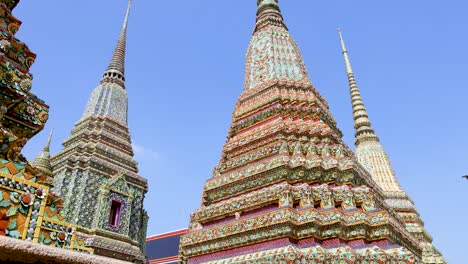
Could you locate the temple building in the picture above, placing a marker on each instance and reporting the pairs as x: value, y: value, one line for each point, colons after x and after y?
x: 373, y: 157
x: 287, y: 188
x: 164, y: 248
x: 88, y: 199
x: 96, y: 173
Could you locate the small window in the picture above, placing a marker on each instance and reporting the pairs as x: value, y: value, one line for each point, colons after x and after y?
x: 297, y: 204
x: 114, y: 217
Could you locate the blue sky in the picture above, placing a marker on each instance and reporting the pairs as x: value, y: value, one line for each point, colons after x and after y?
x: 184, y: 71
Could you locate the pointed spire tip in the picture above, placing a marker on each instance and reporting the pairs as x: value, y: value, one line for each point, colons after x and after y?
x: 127, y: 14
x: 343, y: 46
x: 116, y: 70
x: 49, y: 140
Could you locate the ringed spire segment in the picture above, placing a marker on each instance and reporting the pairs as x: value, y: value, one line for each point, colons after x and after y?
x: 362, y: 124
x: 269, y: 13
x: 115, y: 72
x: 262, y: 5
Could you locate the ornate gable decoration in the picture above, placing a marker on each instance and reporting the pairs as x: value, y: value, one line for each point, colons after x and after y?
x: 119, y: 185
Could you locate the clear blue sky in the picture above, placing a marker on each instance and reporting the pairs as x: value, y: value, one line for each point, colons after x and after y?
x: 185, y: 65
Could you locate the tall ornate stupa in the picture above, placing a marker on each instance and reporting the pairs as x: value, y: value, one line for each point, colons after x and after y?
x: 373, y: 157
x: 96, y: 173
x: 287, y: 188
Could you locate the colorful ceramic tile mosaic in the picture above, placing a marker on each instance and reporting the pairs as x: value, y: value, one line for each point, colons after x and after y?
x: 287, y: 188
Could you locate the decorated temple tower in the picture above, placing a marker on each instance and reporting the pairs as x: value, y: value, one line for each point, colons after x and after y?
x: 287, y: 188
x: 96, y: 173
x: 373, y: 157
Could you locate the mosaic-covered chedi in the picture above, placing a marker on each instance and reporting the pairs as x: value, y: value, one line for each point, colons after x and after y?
x: 96, y: 173
x: 371, y: 154
x: 287, y: 188
x: 29, y: 209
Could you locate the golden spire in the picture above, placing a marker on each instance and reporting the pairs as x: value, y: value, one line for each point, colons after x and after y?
x: 362, y: 124
x: 116, y: 70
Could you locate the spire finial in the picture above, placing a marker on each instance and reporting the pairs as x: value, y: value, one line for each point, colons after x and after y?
x: 268, y: 13
x: 349, y: 69
x: 42, y: 161
x: 343, y: 46
x: 264, y: 4
x: 116, y: 70
x: 127, y: 14
x: 362, y: 124
x: 49, y: 140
